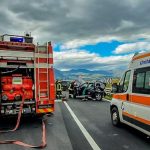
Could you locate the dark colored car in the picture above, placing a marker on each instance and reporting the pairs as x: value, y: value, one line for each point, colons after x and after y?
x: 91, y: 90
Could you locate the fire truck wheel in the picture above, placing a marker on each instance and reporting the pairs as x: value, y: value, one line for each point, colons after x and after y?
x: 115, y: 116
x: 39, y: 116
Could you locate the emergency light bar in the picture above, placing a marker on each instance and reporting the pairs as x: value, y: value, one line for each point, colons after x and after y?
x: 17, y: 39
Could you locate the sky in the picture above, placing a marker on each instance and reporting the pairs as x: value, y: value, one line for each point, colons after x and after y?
x: 87, y: 34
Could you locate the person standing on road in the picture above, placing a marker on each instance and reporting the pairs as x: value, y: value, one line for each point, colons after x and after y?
x: 58, y: 89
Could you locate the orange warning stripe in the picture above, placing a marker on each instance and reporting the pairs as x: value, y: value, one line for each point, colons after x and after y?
x: 139, y: 99
x: 137, y: 118
x: 141, y: 56
x: 45, y: 110
x: 122, y: 97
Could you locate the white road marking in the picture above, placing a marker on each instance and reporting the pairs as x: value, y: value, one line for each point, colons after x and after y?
x: 58, y: 100
x: 83, y: 130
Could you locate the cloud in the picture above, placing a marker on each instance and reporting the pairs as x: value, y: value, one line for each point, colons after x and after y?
x: 79, y: 42
x: 77, y: 59
x: 76, y: 23
x: 132, y: 47
x: 68, y: 21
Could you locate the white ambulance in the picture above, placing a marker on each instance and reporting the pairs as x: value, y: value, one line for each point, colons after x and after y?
x: 131, y: 99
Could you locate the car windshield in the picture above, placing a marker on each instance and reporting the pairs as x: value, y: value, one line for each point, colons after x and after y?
x: 91, y: 85
x: 84, y: 85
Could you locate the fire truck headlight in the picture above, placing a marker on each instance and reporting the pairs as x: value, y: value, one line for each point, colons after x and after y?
x: 4, y: 97
x: 17, y: 97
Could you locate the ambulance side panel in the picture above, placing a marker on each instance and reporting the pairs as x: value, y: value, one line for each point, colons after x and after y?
x: 139, y: 101
x: 134, y: 108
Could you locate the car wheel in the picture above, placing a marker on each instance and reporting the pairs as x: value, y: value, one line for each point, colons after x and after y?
x: 115, y: 117
x: 74, y: 96
x: 98, y: 96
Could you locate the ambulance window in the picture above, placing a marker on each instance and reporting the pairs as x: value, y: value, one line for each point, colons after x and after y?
x: 90, y: 85
x: 147, y: 80
x: 140, y: 80
x: 84, y: 85
x: 126, y: 81
x: 120, y: 90
x: 121, y: 81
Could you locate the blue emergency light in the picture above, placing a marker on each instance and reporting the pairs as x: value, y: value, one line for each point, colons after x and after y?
x: 16, y: 39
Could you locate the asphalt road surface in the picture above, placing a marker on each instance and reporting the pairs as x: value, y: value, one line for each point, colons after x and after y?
x: 88, y: 124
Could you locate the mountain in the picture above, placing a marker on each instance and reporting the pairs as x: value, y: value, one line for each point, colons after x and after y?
x: 78, y: 71
x: 85, y: 71
x: 74, y: 73
x: 58, y: 74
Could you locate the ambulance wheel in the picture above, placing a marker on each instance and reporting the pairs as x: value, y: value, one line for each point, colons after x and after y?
x: 115, y: 116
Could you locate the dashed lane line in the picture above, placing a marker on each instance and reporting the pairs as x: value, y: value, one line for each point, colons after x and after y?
x: 83, y: 130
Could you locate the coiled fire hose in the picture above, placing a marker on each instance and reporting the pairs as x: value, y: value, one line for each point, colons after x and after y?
x: 18, y: 142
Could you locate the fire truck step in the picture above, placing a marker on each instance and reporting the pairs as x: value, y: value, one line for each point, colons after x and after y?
x: 43, y: 81
x: 43, y: 72
x: 43, y: 90
x: 42, y: 98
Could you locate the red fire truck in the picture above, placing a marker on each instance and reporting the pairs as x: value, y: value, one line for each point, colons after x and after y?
x: 26, y: 76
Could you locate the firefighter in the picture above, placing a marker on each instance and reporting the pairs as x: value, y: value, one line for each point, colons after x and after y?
x: 58, y: 89
x: 71, y: 89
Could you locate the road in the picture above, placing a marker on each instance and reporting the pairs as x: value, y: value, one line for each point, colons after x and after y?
x: 63, y: 133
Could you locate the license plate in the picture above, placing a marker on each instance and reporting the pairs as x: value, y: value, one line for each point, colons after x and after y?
x: 44, y: 106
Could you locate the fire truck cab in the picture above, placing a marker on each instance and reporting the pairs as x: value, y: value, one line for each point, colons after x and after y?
x: 26, y: 73
x: 131, y: 99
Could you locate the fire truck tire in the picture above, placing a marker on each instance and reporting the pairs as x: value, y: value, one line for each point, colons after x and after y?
x: 39, y: 116
x: 115, y: 117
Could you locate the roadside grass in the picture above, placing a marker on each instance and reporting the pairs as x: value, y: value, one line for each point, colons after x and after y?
x: 108, y: 97
x: 109, y: 85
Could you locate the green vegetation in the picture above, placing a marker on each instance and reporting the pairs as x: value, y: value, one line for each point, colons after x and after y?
x: 109, y: 85
x: 109, y: 97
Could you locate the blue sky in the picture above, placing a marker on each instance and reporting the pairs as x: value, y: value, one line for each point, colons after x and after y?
x: 102, y: 48
x: 113, y: 55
